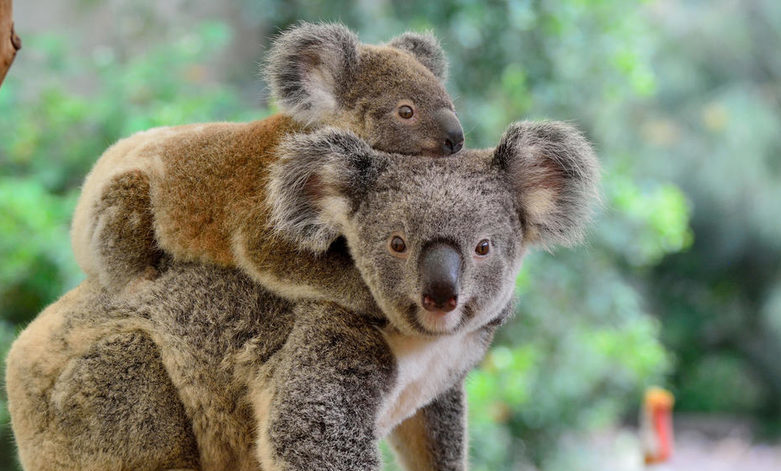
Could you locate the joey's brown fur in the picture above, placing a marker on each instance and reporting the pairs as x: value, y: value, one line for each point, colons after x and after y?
x: 198, y: 192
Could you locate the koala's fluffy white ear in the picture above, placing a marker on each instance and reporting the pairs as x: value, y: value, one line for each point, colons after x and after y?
x: 555, y: 175
x: 426, y: 49
x: 306, y: 66
x: 315, y: 183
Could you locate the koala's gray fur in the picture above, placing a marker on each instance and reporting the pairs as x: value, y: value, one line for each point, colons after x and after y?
x: 315, y: 169
x: 88, y: 383
x: 208, y: 359
x: 550, y: 164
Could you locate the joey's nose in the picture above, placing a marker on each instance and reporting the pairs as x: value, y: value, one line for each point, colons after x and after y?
x: 451, y: 130
x: 453, y: 143
x: 441, y: 274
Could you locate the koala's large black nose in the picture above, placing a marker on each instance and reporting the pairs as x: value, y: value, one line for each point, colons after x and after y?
x: 440, y: 268
x: 453, y: 143
x: 451, y: 129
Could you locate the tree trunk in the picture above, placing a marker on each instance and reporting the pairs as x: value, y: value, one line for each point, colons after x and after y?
x: 9, y: 41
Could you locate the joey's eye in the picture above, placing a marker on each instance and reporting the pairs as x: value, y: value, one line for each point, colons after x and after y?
x: 398, y: 245
x: 406, y: 111
x: 483, y: 247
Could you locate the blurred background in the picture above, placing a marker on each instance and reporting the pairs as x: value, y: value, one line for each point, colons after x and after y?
x: 679, y: 285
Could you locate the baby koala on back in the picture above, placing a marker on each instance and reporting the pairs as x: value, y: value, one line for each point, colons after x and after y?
x: 198, y: 192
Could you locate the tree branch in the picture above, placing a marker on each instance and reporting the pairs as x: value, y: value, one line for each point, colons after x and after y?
x: 9, y: 41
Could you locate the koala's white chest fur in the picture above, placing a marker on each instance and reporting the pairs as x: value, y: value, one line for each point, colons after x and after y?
x: 426, y: 367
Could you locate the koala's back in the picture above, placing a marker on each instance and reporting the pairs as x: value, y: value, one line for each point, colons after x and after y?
x: 67, y: 375
x: 77, y: 374
x: 195, y: 183
x: 215, y: 328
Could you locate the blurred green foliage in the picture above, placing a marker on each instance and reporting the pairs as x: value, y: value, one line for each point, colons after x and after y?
x: 679, y: 97
x: 717, y: 125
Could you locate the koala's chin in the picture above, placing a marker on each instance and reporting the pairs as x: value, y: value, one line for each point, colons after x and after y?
x: 438, y: 322
x: 414, y: 319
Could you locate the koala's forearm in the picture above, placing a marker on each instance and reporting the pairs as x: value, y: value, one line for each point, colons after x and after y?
x: 323, y: 396
x: 435, y: 437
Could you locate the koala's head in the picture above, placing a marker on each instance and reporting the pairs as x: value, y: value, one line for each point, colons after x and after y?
x: 439, y: 242
x: 391, y: 95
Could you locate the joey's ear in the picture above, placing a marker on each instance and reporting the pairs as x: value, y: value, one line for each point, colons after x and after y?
x: 426, y: 49
x: 554, y: 174
x: 316, y: 182
x: 307, y: 64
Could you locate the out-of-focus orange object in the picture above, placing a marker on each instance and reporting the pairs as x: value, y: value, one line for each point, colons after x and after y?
x: 656, y: 425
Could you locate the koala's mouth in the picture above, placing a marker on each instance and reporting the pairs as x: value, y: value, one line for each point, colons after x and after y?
x: 438, y: 323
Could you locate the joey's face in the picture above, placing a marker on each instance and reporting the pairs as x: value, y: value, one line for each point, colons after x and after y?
x: 391, y: 95
x: 399, y: 106
x: 439, y: 243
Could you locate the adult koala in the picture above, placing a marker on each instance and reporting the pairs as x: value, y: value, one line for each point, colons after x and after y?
x: 204, y: 369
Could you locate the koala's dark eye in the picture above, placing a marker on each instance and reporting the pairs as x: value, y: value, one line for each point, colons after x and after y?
x: 406, y: 111
x: 398, y: 245
x: 483, y: 247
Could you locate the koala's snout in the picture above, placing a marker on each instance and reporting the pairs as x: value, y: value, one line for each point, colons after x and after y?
x: 440, y: 269
x: 451, y: 130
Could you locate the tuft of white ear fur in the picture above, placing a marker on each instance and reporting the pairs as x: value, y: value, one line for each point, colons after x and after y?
x: 306, y: 66
x: 314, y: 184
x: 555, y: 175
x: 425, y: 47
